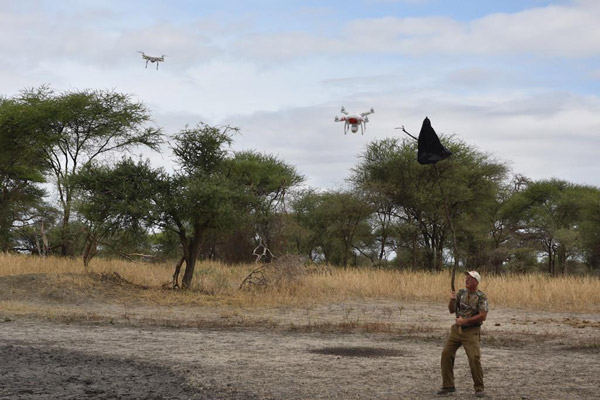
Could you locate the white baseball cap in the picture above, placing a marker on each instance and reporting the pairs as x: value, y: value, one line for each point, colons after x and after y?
x: 474, y: 274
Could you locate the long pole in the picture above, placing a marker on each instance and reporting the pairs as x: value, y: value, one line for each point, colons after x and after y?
x: 454, y: 246
x: 445, y: 201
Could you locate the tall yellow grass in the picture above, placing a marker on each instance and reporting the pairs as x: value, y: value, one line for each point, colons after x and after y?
x: 218, y: 283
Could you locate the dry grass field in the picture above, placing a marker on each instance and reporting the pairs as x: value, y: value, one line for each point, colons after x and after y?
x: 116, y: 331
x: 217, y: 283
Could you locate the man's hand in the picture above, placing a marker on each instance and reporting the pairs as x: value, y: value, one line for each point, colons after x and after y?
x: 460, y: 321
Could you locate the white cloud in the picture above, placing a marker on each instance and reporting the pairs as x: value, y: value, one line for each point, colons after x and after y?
x: 542, y: 135
x: 548, y: 31
x: 564, y: 31
x: 283, y: 46
x: 595, y: 74
x: 283, y: 90
x: 91, y: 38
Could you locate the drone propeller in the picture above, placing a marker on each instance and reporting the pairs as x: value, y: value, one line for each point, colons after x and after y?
x: 371, y: 111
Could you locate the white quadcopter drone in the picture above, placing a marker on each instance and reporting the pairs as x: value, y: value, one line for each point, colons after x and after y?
x: 152, y: 59
x: 353, y: 121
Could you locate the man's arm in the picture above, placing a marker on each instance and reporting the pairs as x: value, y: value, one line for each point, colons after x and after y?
x: 474, y: 320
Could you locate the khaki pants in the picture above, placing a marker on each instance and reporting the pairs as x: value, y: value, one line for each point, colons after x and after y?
x: 469, y: 338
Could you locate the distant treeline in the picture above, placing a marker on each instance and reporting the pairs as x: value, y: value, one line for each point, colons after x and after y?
x: 231, y: 206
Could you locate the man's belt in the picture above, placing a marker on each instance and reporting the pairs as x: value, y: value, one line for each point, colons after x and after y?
x: 465, y: 327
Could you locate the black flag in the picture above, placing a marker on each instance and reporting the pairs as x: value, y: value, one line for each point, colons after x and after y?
x: 431, y: 150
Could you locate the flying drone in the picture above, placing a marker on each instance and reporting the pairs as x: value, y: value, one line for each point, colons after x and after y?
x: 152, y: 59
x: 353, y: 121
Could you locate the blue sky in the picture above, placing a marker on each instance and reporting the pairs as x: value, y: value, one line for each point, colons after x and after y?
x: 516, y: 79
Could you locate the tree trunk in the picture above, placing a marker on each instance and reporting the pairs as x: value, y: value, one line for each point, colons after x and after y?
x: 382, y: 248
x: 497, y: 263
x: 190, y: 264
x: 430, y: 260
x: 45, y: 245
x: 429, y: 250
x: 65, y: 233
x: 63, y: 238
x: 176, y: 274
x: 190, y: 258
x: 562, y: 259
x: 37, y: 242
x: 346, y: 252
x: 415, y: 249
x: 89, y: 252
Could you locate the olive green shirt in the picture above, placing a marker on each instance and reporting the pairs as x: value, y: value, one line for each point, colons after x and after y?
x: 470, y: 304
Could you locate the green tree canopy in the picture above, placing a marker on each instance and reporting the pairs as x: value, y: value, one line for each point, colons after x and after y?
x: 417, y: 196
x: 551, y: 214
x: 337, y: 222
x: 23, y: 140
x: 263, y: 181
x: 116, y: 202
x: 88, y: 124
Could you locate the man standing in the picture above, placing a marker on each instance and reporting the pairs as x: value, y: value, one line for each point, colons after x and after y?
x: 471, y: 308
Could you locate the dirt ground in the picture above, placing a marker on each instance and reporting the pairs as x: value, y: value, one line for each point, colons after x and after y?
x: 57, y: 345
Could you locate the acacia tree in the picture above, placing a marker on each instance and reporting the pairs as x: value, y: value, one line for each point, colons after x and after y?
x: 590, y: 227
x: 116, y: 203
x: 264, y: 182
x: 384, y: 226
x: 462, y: 186
x: 257, y: 219
x: 213, y: 191
x: 550, y: 213
x: 23, y: 138
x: 346, y: 216
x: 199, y: 197
x: 307, y: 229
x: 337, y: 222
x: 37, y: 236
x: 489, y: 235
x: 389, y: 170
x: 88, y: 124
